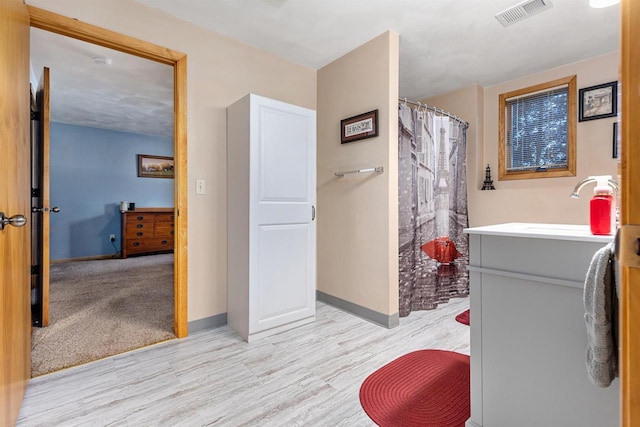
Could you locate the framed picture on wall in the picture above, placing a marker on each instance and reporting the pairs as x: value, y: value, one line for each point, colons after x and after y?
x: 155, y: 166
x: 598, y: 102
x: 359, y: 127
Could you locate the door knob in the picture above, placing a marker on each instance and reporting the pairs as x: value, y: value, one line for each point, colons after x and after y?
x: 16, y: 220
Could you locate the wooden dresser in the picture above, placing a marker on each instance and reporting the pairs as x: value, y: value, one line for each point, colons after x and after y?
x: 147, y: 230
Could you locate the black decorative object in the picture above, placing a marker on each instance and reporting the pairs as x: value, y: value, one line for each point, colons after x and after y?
x: 615, y: 140
x: 488, y: 182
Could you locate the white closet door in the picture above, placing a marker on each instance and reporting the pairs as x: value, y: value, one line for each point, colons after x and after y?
x: 282, y: 213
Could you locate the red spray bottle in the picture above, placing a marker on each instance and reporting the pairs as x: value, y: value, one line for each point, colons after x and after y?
x: 602, y: 207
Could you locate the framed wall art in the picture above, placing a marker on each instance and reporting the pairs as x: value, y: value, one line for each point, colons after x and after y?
x: 359, y: 127
x: 598, y: 102
x: 155, y: 166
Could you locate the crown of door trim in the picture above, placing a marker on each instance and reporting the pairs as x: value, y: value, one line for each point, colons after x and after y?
x: 45, y: 20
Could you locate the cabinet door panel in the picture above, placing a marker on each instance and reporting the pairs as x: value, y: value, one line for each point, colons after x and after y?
x: 284, y: 270
x: 284, y: 156
x: 283, y: 229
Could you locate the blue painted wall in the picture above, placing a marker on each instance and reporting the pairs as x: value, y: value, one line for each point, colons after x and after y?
x: 92, y: 170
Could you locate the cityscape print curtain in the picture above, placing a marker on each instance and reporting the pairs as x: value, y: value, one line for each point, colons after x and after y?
x: 432, y: 193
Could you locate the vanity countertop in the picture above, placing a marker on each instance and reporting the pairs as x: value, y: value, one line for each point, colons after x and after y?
x: 541, y: 231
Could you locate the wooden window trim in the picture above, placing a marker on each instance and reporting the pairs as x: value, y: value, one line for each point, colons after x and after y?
x: 570, y: 170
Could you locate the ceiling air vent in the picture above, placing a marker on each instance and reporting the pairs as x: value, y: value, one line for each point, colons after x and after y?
x: 522, y: 11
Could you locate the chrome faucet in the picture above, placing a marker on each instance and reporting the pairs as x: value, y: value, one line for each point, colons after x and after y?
x: 612, y: 183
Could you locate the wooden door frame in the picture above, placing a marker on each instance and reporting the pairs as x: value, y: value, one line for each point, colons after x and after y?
x: 49, y: 21
x: 630, y: 210
x: 43, y: 100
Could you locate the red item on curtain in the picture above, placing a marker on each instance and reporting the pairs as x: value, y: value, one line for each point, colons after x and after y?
x: 442, y: 249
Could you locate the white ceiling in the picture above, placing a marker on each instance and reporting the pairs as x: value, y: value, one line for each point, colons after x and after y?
x: 444, y: 45
x: 131, y: 95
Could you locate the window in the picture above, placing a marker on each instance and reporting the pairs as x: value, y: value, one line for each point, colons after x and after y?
x: 537, y: 131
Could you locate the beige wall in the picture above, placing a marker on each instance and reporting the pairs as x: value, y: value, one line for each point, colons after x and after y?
x: 358, y: 215
x: 220, y: 71
x: 467, y: 103
x: 543, y: 200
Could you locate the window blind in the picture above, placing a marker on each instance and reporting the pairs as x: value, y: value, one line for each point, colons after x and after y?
x: 536, y: 130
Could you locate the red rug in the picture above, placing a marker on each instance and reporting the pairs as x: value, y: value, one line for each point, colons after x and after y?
x: 428, y: 388
x: 463, y: 317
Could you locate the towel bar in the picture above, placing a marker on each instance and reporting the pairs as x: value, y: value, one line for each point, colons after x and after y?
x: 378, y: 169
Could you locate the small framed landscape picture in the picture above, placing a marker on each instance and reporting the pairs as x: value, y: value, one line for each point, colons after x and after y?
x: 155, y: 166
x: 359, y: 127
x: 598, y: 102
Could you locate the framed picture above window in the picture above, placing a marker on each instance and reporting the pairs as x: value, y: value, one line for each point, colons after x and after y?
x: 598, y: 102
x: 537, y: 131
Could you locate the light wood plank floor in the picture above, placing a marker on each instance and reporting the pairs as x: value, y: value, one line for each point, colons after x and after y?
x: 308, y: 376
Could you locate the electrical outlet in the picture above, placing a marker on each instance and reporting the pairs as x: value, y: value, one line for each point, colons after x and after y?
x: 112, y: 237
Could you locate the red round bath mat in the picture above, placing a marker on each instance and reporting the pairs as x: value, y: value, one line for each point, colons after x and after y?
x: 463, y: 317
x: 427, y: 388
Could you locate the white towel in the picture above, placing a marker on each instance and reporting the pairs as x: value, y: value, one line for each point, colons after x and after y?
x: 600, y: 304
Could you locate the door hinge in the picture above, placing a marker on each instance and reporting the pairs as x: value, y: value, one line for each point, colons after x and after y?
x: 35, y: 269
x: 628, y: 246
x: 35, y: 192
x: 35, y: 115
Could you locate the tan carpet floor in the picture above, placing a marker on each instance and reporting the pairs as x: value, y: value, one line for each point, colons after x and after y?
x: 104, y: 307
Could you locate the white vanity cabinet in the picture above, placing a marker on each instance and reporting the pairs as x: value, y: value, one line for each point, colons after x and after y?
x: 271, y: 228
x: 528, y: 336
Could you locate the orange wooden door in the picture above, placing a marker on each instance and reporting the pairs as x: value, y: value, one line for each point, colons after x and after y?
x: 15, y: 309
x: 40, y: 202
x: 630, y: 209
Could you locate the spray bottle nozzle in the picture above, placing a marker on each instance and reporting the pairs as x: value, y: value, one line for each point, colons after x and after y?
x: 600, y: 180
x: 602, y: 185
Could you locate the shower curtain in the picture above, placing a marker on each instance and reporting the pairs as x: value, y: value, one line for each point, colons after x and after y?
x: 432, y: 193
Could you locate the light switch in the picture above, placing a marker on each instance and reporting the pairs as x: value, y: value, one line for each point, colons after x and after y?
x: 201, y: 186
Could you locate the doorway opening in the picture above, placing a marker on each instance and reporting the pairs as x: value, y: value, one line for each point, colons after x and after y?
x: 177, y: 145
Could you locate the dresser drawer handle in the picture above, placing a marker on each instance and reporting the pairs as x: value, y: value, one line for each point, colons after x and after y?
x: 139, y: 233
x: 164, y: 242
x: 140, y: 218
x: 136, y: 243
x: 139, y: 225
